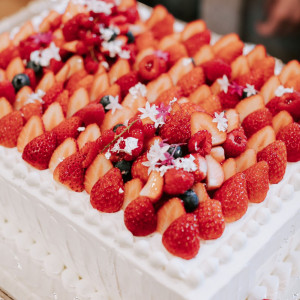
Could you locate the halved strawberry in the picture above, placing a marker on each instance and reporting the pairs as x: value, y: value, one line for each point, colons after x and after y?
x: 140, y: 217
x: 218, y: 153
x: 201, y: 192
x: 254, y: 77
x: 269, y: 88
x: 256, y: 121
x: 120, y: 68
x: 245, y: 160
x: 201, y: 164
x: 38, y: 152
x: 204, y: 121
x: 196, y: 41
x: 183, y: 66
x: 233, y: 119
x: 91, y: 113
x: 239, y: 67
x: 7, y: 91
x: 10, y: 128
x: 290, y: 135
x: 201, y: 93
x: 53, y: 116
x: 97, y: 169
x: 163, y: 27
x: 77, y: 101
x: 215, y: 69
x: 72, y: 84
x: 33, y: 128
x: 231, y: 51
x: 215, y: 174
x: 181, y: 238
x: 52, y: 94
x: 233, y: 197
x: 190, y: 81
x: 276, y: 156
x: 90, y: 134
x: 107, y: 194
x: 157, y: 86
x: 7, y: 55
x: 280, y: 120
x: 70, y: 172
x: 67, y: 128
x: 31, y: 109
x: 5, y: 107
x: 211, y: 220
x: 153, y: 188
x: 176, y: 52
x: 249, y: 105
x: 204, y: 54
x: 266, y: 65
x: 261, y: 138
x: 47, y: 81
x: 229, y: 168
x: 100, y: 84
x: 138, y: 170
x: 132, y: 190
x: 257, y: 178
x: 169, y: 212
x: 64, y: 150
x: 290, y: 70
x: 258, y: 52
x: 14, y: 68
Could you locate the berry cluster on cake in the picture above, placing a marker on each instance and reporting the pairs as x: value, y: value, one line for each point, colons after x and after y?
x: 160, y: 138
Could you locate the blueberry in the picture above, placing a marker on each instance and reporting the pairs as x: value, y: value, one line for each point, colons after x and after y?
x: 20, y: 80
x: 190, y: 200
x: 116, y: 127
x: 35, y: 67
x: 176, y: 151
x: 105, y: 101
x: 130, y: 37
x: 125, y: 168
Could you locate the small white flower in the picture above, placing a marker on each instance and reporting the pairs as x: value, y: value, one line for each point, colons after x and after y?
x: 148, y: 112
x: 80, y: 129
x: 163, y: 169
x: 173, y: 101
x: 121, y: 191
x: 38, y: 96
x: 125, y: 54
x: 138, y: 90
x: 222, y: 122
x: 187, y: 164
x: 107, y: 155
x: 114, y: 47
x: 130, y: 145
x: 281, y: 90
x: 159, y: 122
x: 43, y: 57
x: 250, y: 90
x: 224, y: 83
x: 108, y: 33
x: 113, y: 104
x: 99, y: 6
x: 105, y: 65
x: 186, y: 61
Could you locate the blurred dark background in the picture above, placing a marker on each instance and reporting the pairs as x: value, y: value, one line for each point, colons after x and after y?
x: 240, y: 16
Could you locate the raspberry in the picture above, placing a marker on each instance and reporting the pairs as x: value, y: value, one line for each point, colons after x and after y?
x: 229, y: 99
x: 127, y: 81
x: 91, y: 66
x: 151, y: 67
x: 235, y: 143
x: 256, y: 121
x: 200, y: 142
x: 177, y: 181
x: 177, y: 128
x: 140, y: 217
x: 215, y: 69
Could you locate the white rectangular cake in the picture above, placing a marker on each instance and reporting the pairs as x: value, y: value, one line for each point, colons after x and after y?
x: 55, y: 245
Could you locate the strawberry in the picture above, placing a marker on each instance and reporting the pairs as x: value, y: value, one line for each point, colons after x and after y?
x: 153, y: 188
x: 138, y: 170
x: 176, y: 52
x: 216, y: 68
x: 231, y: 51
x: 168, y: 95
x: 182, y: 237
x: 257, y: 178
x: 38, y: 152
x: 92, y: 113
x: 72, y: 84
x: 90, y: 134
x: 289, y: 102
x: 70, y: 172
x: 200, y: 142
x: 233, y: 197
x: 52, y: 94
x: 177, y: 181
x: 64, y: 150
x: 127, y: 81
x: 139, y: 217
x: 201, y: 192
x: 177, y: 128
x: 77, y: 101
x: 163, y: 27
x: 276, y: 157
x: 195, y: 42
x: 169, y: 212
x: 266, y: 65
x: 33, y: 128
x: 190, y: 107
x: 290, y: 135
x: 145, y: 40
x: 67, y: 128
x: 106, y: 138
x: 89, y: 151
x: 211, y: 219
x: 7, y: 55
x: 256, y: 121
x: 254, y: 77
x: 31, y: 109
x: 215, y: 173
x: 235, y: 143
x: 63, y: 100
x: 53, y: 116
x: 10, y: 128
x: 151, y: 66
x: 107, y: 195
x: 7, y: 90
x: 191, y: 81
x: 132, y: 189
x: 201, y: 164
x: 5, y: 107
x: 32, y: 77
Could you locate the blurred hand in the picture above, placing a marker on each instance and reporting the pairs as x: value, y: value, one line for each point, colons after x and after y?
x: 282, y: 17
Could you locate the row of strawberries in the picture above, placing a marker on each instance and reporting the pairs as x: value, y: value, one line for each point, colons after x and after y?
x: 197, y: 142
